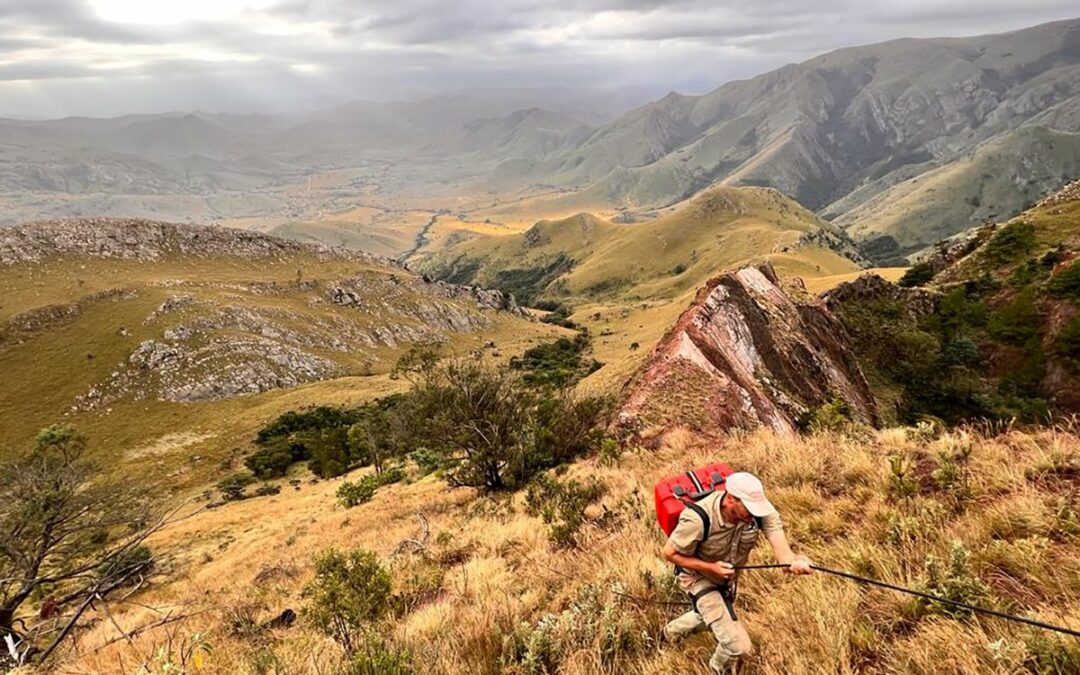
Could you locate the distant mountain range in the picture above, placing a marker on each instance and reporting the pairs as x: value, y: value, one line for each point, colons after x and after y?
x: 901, y: 143
x: 959, y: 130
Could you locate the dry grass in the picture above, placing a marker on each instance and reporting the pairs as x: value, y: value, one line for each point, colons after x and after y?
x: 509, y: 602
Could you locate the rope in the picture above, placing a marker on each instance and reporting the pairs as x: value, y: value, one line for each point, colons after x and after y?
x: 928, y: 596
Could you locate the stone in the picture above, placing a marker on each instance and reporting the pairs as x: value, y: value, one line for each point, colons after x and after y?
x: 746, y: 355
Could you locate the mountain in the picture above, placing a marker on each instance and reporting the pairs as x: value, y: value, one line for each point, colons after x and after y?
x: 525, y: 134
x: 586, y: 257
x: 131, y: 324
x: 843, y: 132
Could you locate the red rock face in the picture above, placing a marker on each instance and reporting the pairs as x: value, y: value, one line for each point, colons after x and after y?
x: 746, y: 355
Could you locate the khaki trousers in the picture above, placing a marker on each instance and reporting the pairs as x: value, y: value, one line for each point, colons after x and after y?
x: 732, y: 640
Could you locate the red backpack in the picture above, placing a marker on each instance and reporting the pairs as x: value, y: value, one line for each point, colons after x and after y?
x: 675, y: 493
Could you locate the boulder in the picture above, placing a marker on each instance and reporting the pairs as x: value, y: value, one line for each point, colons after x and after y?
x: 744, y: 355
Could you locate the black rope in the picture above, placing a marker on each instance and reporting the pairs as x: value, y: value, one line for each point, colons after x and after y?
x: 928, y: 596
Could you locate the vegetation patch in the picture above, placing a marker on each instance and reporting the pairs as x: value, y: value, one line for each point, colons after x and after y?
x: 528, y: 283
x: 557, y: 364
x: 1011, y: 243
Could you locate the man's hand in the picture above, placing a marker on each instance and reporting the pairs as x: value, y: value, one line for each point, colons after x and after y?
x: 720, y: 570
x: 800, y: 565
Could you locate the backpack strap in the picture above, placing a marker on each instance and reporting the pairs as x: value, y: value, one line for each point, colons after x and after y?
x: 706, y: 522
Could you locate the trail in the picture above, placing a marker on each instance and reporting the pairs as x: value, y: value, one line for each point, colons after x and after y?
x: 421, y: 241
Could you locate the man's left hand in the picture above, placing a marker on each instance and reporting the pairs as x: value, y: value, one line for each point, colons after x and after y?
x: 800, y: 565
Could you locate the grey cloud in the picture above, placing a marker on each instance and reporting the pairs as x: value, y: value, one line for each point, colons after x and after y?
x: 398, y: 48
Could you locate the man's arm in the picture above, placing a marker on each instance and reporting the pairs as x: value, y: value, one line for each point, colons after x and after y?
x: 798, y: 564
x: 717, y: 571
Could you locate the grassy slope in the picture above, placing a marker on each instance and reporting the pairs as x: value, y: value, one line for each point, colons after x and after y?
x: 994, y: 182
x: 720, y: 229
x: 1056, y: 224
x: 47, y: 368
x: 501, y: 577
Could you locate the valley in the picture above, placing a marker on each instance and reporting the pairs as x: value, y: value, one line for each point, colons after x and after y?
x: 385, y: 387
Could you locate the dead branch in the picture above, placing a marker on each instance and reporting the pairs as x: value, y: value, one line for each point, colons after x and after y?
x: 420, y: 543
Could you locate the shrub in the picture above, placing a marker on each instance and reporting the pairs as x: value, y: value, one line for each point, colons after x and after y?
x: 232, y: 487
x: 274, y: 461
x: 1066, y: 345
x: 350, y: 591
x: 376, y: 656
x: 561, y: 505
x: 834, y: 415
x: 955, y: 582
x: 329, y: 450
x: 1010, y: 243
x: 1018, y: 322
x: 902, y: 480
x: 555, y: 364
x: 351, y: 494
x: 417, y: 580
x: 1066, y: 283
x: 918, y: 274
x: 267, y: 490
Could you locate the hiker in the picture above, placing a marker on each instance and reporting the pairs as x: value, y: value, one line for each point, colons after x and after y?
x: 712, y: 537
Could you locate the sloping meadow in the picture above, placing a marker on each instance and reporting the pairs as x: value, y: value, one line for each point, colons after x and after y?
x: 989, y: 516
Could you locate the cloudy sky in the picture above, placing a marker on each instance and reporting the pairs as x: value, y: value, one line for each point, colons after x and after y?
x: 108, y: 57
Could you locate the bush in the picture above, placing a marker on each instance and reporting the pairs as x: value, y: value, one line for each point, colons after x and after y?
x: 561, y: 505
x: 1066, y: 283
x: 1010, y: 243
x: 267, y: 490
x: 554, y: 364
x: 232, y: 487
x: 417, y: 580
x: 1018, y: 322
x: 352, y: 494
x: 274, y: 460
x: 1067, y: 345
x: 376, y: 656
x: 955, y: 582
x: 350, y: 591
x: 834, y: 415
x: 918, y: 274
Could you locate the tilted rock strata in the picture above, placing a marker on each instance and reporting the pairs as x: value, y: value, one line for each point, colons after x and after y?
x: 745, y: 355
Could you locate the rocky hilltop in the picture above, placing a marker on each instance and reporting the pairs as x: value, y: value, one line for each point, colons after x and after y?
x: 146, y: 240
x: 186, y: 334
x: 747, y: 354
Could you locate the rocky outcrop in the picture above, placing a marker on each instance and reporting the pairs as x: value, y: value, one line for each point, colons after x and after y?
x: 145, y: 240
x: 919, y: 302
x: 746, y: 355
x: 220, y: 368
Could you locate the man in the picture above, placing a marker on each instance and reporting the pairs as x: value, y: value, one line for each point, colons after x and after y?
x: 713, y: 537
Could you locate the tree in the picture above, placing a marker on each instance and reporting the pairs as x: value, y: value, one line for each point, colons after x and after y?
x: 350, y: 592
x: 65, y: 537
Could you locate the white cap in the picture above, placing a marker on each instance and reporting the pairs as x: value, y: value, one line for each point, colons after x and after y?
x: 749, y: 490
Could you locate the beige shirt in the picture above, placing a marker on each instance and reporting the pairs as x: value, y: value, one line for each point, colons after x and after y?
x: 729, y: 542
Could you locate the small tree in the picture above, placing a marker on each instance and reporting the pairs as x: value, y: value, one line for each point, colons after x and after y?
x: 64, y: 534
x: 349, y: 592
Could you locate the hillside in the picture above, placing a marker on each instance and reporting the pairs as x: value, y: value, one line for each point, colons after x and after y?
x: 141, y: 332
x: 841, y: 130
x: 992, y: 329
x: 584, y: 257
x: 490, y: 592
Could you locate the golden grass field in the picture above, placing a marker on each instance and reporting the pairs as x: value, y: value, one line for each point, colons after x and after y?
x: 505, y: 593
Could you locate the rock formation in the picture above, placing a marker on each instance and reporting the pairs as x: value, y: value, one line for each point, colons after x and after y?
x: 145, y: 240
x: 745, y: 354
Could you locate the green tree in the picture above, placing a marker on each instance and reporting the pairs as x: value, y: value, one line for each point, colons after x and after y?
x: 350, y: 592
x: 64, y: 533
